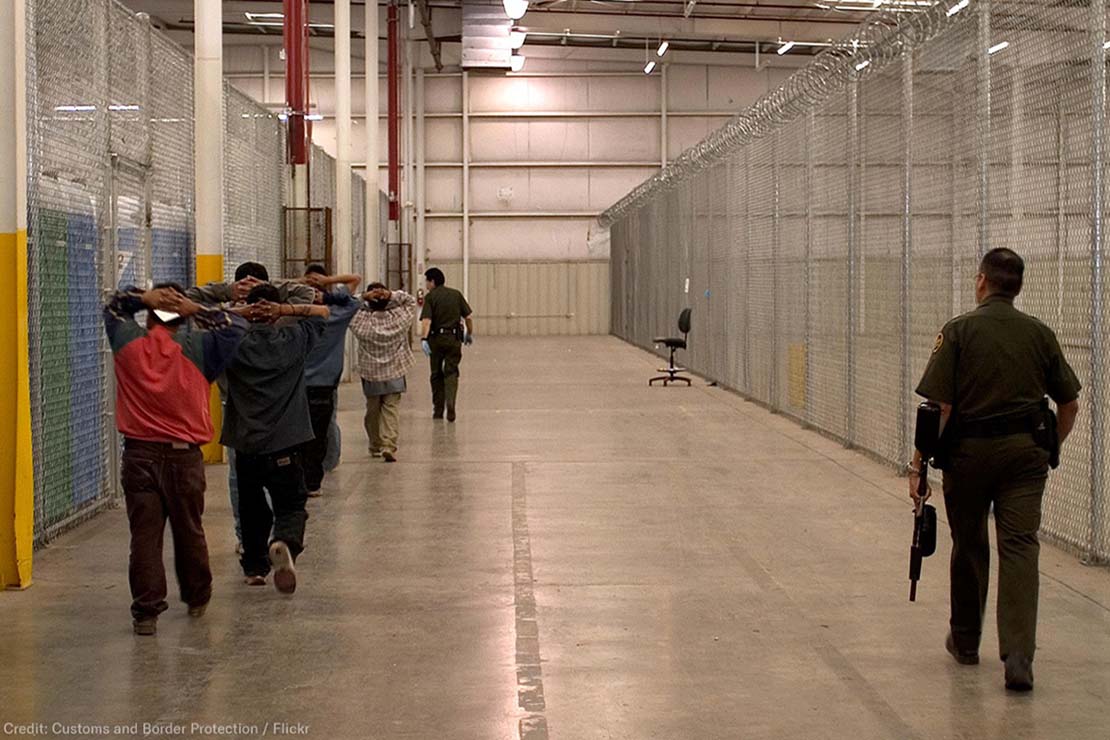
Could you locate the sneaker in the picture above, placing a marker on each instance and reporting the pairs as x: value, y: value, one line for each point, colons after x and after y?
x: 1019, y: 672
x: 451, y: 413
x: 285, y: 575
x: 255, y: 580
x: 196, y: 612
x: 146, y: 627
x: 375, y: 453
x: 315, y: 493
x: 389, y: 457
x: 963, y: 657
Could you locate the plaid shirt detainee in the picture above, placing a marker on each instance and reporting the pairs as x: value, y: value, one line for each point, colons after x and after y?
x: 383, y: 338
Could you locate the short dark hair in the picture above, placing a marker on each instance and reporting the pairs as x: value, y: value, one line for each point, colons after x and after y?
x: 265, y: 292
x: 176, y: 287
x: 1004, y: 270
x: 315, y: 269
x: 252, y: 269
x: 436, y: 276
x: 374, y: 286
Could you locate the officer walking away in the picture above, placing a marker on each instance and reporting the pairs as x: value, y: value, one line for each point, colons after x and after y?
x: 446, y: 324
x: 990, y: 372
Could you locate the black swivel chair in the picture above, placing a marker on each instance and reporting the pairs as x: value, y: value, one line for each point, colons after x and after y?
x: 672, y: 371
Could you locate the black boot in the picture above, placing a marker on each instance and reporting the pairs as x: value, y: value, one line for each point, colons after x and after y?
x: 1019, y: 672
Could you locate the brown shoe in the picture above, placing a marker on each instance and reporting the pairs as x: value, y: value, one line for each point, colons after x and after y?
x: 451, y: 413
x: 963, y: 657
x: 389, y: 457
x: 196, y: 612
x: 285, y: 575
x: 255, y: 580
x: 1019, y: 672
x: 146, y: 627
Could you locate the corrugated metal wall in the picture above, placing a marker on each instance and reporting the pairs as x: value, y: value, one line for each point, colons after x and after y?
x: 536, y: 298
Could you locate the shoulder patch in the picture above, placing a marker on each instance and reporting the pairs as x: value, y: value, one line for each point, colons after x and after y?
x: 939, y: 343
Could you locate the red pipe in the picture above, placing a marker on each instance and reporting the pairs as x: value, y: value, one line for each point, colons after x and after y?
x: 294, y: 39
x: 393, y: 73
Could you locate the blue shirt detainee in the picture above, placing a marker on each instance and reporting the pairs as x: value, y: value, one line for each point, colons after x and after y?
x: 324, y: 366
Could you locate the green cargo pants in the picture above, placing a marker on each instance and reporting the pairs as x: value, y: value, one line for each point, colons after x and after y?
x: 1008, y: 473
x: 446, y: 356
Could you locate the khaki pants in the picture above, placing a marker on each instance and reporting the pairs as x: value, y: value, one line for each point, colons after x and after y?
x: 1007, y: 474
x: 383, y: 421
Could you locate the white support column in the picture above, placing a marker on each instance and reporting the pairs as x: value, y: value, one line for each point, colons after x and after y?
x: 466, y: 181
x: 372, y: 258
x: 208, y: 134
x: 421, y: 179
x: 343, y: 224
x: 208, y: 143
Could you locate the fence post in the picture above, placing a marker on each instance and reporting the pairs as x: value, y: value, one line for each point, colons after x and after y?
x: 907, y: 248
x: 852, y: 157
x: 776, y: 244
x: 811, y: 131
x: 747, y: 268
x: 1097, y: 546
x: 983, y: 121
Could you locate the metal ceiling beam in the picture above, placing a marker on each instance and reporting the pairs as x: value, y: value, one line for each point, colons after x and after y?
x: 433, y: 42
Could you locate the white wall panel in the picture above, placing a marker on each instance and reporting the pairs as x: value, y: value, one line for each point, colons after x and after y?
x: 497, y: 94
x: 444, y: 189
x: 683, y: 133
x: 554, y: 141
x: 442, y: 94
x: 624, y: 93
x: 498, y: 141
x: 607, y: 186
x: 444, y: 239
x: 728, y: 88
x: 443, y: 137
x: 530, y: 189
x: 625, y: 139
x: 687, y: 88
x: 532, y: 238
x: 520, y: 298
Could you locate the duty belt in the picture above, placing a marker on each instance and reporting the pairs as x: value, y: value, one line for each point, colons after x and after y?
x: 1002, y: 426
x: 454, y: 331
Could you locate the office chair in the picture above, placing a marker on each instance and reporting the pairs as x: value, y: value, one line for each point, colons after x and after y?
x: 673, y: 343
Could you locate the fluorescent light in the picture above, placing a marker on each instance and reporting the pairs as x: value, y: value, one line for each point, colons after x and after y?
x: 314, y: 117
x: 863, y: 65
x: 998, y: 47
x: 264, y: 16
x: 123, y: 107
x: 515, y: 9
x: 787, y: 47
x: 649, y: 67
x: 958, y: 7
x: 517, y: 63
x: 1106, y: 45
x: 74, y: 108
x: 663, y: 48
x: 517, y: 39
x: 283, y: 116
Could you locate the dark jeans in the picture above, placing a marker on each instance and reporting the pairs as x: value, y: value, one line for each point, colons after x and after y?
x: 446, y: 356
x: 160, y: 483
x: 1008, y: 474
x: 282, y: 474
x: 321, y: 407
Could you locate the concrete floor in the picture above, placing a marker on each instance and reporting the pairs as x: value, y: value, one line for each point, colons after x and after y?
x: 578, y: 557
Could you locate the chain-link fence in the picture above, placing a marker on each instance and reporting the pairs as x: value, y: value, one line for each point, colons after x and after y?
x: 110, y: 203
x: 825, y: 235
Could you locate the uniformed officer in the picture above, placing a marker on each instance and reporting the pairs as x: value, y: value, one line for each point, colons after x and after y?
x: 990, y: 372
x: 446, y: 324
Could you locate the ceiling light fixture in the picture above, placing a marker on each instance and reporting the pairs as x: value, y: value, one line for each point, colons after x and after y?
x: 863, y: 65
x: 786, y: 47
x: 515, y: 9
x: 517, y: 39
x: 314, y: 117
x: 663, y: 48
x: 517, y: 63
x: 649, y: 67
x: 264, y: 16
x: 958, y: 7
x: 998, y: 47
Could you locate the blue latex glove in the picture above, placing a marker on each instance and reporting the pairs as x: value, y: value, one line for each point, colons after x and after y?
x: 468, y: 340
x: 426, y: 347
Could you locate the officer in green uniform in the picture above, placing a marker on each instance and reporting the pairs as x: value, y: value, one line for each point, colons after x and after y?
x: 446, y: 324
x: 990, y: 372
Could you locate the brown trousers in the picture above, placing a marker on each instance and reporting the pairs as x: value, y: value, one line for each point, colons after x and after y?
x: 160, y: 483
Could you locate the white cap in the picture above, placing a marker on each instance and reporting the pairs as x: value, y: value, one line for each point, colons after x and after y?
x: 166, y: 316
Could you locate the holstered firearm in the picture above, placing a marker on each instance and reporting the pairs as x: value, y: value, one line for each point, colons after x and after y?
x: 1046, y: 433
x: 926, y: 441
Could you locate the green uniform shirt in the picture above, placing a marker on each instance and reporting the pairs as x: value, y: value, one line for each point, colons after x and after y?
x: 995, y: 361
x: 446, y: 307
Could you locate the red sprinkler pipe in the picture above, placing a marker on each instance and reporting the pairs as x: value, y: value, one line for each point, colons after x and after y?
x: 393, y: 73
x: 294, y: 39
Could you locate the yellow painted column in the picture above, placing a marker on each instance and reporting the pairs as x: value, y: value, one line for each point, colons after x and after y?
x: 208, y: 91
x: 17, y: 494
